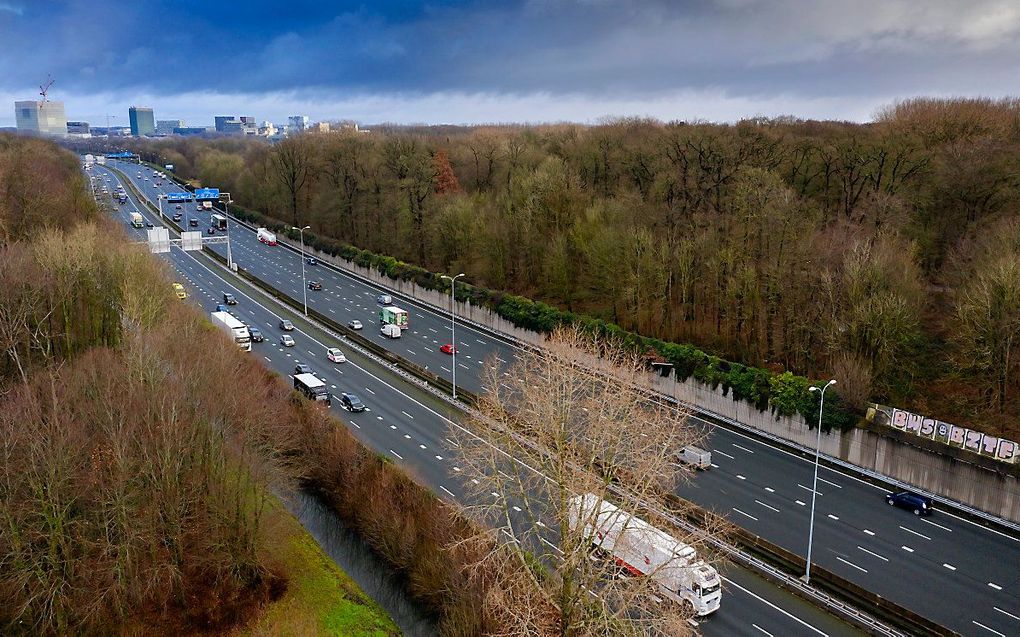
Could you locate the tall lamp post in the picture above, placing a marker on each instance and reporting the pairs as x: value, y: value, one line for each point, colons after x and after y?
x: 453, y: 326
x: 814, y: 485
x: 226, y: 230
x: 304, y: 284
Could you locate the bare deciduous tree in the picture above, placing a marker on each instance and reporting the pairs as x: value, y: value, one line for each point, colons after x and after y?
x: 291, y: 165
x: 551, y: 428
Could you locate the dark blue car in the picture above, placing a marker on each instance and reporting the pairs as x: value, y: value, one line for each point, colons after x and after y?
x: 919, y: 504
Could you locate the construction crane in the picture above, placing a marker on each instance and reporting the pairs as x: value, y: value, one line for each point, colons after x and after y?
x: 44, y: 88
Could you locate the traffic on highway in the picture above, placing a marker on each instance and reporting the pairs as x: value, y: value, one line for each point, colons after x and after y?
x: 942, y: 566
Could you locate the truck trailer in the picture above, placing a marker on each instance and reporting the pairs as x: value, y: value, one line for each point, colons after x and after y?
x: 266, y: 237
x: 136, y: 220
x: 312, y: 387
x: 234, y: 328
x: 645, y: 551
x: 393, y: 315
x: 695, y: 457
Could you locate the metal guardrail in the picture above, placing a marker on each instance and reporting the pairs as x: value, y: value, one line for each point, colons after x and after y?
x: 781, y: 565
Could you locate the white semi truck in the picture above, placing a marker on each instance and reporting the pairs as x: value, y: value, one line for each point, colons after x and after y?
x: 266, y: 237
x: 136, y: 220
x: 645, y: 551
x: 234, y: 328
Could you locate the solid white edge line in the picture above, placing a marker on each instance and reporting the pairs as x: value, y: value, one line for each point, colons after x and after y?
x: 773, y: 606
x: 991, y: 630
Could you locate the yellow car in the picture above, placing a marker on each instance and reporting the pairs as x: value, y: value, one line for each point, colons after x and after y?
x: 179, y: 291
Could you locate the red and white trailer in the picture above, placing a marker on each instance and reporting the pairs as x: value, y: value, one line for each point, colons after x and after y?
x: 267, y: 237
x: 645, y: 551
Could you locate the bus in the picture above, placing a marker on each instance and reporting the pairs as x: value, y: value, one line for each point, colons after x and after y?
x: 234, y: 328
x: 219, y: 222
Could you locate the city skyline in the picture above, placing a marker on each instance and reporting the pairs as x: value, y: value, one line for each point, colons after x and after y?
x: 527, y: 61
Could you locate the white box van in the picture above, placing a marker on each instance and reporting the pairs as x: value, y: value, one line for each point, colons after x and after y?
x: 389, y: 330
x: 695, y: 456
x: 384, y: 299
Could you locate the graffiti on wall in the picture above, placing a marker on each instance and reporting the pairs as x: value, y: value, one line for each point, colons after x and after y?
x: 960, y: 437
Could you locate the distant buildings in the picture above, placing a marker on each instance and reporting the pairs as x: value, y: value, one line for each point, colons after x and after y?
x: 186, y: 131
x: 167, y: 126
x: 297, y: 123
x: 142, y: 121
x: 222, y: 121
x: 79, y: 129
x: 112, y: 131
x: 233, y: 125
x: 40, y: 118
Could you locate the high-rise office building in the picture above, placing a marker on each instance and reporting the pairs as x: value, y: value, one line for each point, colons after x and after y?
x: 40, y: 118
x: 142, y: 121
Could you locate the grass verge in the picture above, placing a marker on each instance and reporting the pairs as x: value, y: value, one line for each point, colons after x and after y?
x: 320, y: 599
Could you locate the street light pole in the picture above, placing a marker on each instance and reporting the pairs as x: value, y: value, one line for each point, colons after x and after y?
x: 304, y: 284
x: 453, y: 327
x: 814, y: 485
x: 226, y: 229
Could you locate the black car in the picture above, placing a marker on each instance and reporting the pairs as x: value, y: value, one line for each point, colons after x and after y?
x: 301, y: 368
x: 312, y: 261
x: 229, y: 299
x: 314, y: 285
x: 256, y: 335
x: 919, y: 504
x: 177, y: 217
x: 177, y: 207
x: 351, y: 402
x: 193, y: 222
x: 286, y: 325
x: 148, y: 224
x: 211, y: 230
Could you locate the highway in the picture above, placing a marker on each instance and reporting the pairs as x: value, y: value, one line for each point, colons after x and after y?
x: 409, y: 425
x: 758, y: 487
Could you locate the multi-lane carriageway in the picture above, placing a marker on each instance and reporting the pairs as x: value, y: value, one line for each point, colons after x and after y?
x: 959, y: 574
x: 410, y: 425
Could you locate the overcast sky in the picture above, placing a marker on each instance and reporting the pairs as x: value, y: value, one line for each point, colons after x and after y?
x: 475, y: 61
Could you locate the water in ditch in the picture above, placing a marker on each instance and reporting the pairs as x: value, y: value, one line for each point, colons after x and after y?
x: 357, y: 560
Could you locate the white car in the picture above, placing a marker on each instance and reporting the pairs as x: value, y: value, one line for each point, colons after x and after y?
x: 355, y: 324
x: 335, y: 355
x: 287, y: 340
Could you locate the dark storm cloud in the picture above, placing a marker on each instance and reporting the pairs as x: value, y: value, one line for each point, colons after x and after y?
x: 752, y: 48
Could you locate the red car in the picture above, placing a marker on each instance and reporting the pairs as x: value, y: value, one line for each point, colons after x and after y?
x: 448, y: 349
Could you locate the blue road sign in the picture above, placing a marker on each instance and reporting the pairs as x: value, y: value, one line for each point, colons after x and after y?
x: 121, y: 155
x: 178, y: 196
x: 207, y: 193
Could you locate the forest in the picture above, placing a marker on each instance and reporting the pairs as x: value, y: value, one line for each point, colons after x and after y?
x: 885, y: 255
